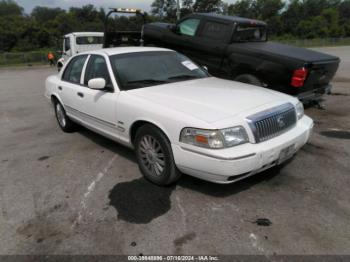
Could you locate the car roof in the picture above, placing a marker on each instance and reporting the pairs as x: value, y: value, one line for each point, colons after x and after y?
x: 126, y: 49
x: 230, y: 18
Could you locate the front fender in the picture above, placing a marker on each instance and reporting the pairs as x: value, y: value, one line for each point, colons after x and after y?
x: 150, y: 121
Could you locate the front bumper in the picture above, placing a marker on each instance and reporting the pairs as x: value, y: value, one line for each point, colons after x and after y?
x: 236, y: 163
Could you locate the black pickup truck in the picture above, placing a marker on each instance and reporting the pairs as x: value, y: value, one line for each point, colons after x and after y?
x: 238, y: 48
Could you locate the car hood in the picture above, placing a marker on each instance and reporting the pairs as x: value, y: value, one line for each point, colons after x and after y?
x: 283, y: 50
x: 210, y: 99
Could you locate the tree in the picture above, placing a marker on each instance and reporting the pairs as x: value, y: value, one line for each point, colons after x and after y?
x: 242, y: 8
x: 164, y: 9
x: 292, y: 16
x: 266, y: 9
x: 43, y: 14
x: 157, y: 8
x: 187, y: 4
x: 208, y: 6
x: 10, y: 8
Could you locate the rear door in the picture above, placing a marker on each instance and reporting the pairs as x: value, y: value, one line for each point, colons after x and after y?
x: 70, y: 86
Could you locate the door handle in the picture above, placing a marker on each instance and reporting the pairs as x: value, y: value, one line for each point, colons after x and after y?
x: 80, y: 94
x: 60, y: 88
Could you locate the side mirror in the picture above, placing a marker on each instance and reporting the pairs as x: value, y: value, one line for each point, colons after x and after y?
x: 97, y: 83
x: 205, y: 68
x: 174, y: 28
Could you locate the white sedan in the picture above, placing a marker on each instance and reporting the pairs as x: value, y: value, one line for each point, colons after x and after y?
x: 176, y: 116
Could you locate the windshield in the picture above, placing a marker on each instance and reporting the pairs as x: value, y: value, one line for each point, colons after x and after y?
x: 143, y: 69
x: 250, y: 33
x: 89, y: 40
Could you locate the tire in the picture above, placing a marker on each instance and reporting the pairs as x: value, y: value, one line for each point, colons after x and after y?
x: 155, y: 157
x: 249, y: 79
x: 63, y: 120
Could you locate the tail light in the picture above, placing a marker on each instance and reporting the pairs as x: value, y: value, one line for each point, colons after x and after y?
x: 299, y: 76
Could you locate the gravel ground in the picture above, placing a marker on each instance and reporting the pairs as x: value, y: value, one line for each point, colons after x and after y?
x: 81, y: 193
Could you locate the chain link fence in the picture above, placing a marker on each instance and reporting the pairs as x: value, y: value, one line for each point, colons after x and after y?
x: 25, y: 58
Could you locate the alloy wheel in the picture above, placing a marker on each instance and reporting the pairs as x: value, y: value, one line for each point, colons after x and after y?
x: 60, y: 115
x: 152, y: 155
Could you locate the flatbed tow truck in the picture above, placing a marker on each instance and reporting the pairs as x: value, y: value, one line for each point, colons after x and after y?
x: 77, y: 42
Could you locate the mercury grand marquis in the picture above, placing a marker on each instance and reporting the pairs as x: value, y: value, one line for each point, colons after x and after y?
x: 177, y: 117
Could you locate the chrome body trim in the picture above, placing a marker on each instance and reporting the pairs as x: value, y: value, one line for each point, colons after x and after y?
x: 101, y: 121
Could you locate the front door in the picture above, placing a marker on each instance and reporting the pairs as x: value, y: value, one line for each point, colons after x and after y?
x: 70, y: 86
x: 181, y: 39
x: 98, y: 107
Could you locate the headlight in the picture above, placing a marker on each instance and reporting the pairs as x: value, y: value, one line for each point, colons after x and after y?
x: 216, y: 139
x: 300, y: 110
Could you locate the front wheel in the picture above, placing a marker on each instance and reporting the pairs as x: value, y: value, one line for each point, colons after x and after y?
x: 155, y: 157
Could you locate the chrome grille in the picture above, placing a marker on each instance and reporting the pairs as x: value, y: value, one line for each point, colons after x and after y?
x: 273, y: 122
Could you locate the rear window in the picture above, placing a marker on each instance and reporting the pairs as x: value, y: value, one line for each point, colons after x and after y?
x: 250, y: 33
x: 215, y: 31
x: 89, y: 40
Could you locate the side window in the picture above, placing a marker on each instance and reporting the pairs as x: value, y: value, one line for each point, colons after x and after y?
x: 74, y: 69
x: 189, y: 27
x: 215, y: 31
x: 66, y: 44
x: 97, y: 68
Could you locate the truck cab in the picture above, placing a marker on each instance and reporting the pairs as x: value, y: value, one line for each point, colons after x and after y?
x: 78, y: 42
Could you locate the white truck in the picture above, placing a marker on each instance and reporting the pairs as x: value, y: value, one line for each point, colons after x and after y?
x: 78, y: 42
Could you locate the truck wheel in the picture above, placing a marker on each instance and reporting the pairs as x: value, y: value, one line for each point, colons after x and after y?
x: 63, y: 120
x: 249, y: 79
x: 155, y: 157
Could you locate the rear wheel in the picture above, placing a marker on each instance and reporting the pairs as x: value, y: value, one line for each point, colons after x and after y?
x: 63, y: 120
x: 155, y: 157
x: 249, y: 79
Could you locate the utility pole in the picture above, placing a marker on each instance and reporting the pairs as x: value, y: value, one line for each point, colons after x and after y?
x: 178, y: 10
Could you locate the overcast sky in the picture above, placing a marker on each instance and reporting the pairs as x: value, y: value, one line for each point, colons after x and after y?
x: 143, y: 4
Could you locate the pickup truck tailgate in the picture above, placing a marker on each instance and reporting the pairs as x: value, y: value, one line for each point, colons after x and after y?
x: 320, y: 74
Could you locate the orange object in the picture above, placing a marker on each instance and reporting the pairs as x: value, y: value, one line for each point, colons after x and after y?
x: 50, y: 56
x: 201, y: 139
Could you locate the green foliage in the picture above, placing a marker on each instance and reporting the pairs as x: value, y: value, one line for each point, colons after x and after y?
x: 298, y: 18
x: 10, y: 8
x: 208, y: 6
x: 164, y: 8
x: 44, y: 27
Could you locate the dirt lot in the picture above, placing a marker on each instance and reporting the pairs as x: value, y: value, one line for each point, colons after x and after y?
x: 83, y: 194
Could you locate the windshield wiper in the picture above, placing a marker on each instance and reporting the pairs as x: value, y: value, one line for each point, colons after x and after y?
x: 182, y: 77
